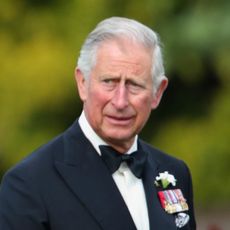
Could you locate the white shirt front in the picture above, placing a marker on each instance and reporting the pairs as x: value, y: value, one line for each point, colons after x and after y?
x: 130, y: 187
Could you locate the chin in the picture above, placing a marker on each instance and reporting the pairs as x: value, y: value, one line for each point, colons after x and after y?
x: 120, y: 137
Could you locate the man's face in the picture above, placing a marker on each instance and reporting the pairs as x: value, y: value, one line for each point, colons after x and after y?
x: 118, y: 97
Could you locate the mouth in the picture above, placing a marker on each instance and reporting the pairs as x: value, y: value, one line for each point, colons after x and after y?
x: 119, y: 121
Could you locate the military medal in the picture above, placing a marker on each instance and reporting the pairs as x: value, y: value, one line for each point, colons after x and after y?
x: 181, y: 219
x: 173, y: 201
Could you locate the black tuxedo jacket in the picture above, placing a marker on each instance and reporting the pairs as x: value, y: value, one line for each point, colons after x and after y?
x: 65, y: 185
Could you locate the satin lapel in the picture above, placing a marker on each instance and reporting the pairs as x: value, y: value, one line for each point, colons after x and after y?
x: 89, y: 179
x: 158, y: 218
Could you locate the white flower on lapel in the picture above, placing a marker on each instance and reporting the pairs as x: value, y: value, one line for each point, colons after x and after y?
x: 166, y: 179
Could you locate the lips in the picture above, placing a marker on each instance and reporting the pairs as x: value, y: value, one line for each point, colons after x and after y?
x: 119, y: 120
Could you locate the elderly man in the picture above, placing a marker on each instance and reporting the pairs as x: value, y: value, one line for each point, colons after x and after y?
x: 98, y: 174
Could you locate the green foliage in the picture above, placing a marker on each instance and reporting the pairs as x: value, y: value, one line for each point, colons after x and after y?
x: 40, y: 41
x: 203, y: 144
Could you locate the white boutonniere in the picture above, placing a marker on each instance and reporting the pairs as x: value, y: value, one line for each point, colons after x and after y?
x: 165, y: 179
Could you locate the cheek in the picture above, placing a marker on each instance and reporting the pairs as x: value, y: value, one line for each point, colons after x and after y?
x: 144, y: 101
x: 97, y: 101
x: 144, y: 106
x: 93, y: 107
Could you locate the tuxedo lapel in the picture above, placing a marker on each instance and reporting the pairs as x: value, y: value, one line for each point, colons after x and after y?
x: 158, y: 218
x: 88, y: 178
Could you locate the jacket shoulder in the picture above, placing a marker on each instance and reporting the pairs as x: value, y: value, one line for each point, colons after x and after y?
x: 159, y: 155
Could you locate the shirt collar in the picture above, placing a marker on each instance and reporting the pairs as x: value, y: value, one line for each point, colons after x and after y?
x: 95, y: 140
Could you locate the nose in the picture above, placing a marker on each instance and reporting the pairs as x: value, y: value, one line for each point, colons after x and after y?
x: 120, y: 98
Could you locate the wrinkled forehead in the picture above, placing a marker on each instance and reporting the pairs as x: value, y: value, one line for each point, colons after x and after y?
x: 122, y: 57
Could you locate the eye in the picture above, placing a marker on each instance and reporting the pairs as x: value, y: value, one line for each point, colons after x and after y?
x: 109, y: 83
x: 134, y: 87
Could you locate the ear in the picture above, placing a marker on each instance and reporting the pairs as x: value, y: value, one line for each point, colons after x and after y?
x: 159, y: 93
x: 81, y: 84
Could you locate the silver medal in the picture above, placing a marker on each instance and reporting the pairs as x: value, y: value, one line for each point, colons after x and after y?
x: 181, y: 219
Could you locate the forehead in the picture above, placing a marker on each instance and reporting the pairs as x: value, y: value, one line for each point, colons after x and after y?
x: 124, y: 53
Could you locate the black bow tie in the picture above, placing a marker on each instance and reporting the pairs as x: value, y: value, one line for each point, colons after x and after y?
x: 113, y: 159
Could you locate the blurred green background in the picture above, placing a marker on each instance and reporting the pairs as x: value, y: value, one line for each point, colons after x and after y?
x: 39, y: 45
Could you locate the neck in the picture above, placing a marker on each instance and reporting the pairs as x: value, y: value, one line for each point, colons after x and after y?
x: 121, y: 147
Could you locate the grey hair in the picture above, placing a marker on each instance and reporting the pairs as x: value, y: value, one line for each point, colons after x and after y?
x: 116, y: 27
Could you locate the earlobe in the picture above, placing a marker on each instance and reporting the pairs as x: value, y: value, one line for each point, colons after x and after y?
x: 159, y: 93
x: 81, y: 84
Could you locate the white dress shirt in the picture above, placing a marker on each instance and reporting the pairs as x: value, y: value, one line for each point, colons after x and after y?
x: 130, y: 187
